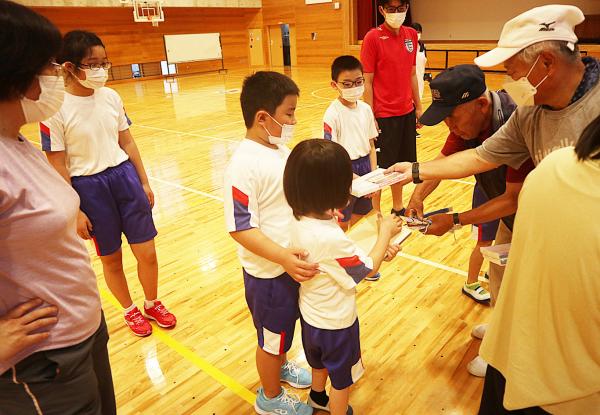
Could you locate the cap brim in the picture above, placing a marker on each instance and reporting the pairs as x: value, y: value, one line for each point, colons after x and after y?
x: 435, y: 114
x: 496, y: 57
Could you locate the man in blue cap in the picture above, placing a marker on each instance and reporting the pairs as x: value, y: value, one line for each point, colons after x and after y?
x: 473, y: 113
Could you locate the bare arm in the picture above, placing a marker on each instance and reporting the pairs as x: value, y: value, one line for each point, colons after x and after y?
x: 373, y: 155
x: 499, y: 207
x: 368, y: 94
x: 422, y: 190
x: 504, y: 205
x: 414, y: 83
x: 58, y: 160
x: 289, y: 258
x: 389, y: 227
x: 128, y: 145
x: 462, y: 164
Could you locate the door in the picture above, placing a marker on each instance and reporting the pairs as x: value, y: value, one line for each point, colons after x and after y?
x: 275, y: 46
x: 293, y: 55
x: 257, y: 57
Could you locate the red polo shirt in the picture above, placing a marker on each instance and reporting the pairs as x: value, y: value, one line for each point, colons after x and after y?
x: 391, y: 59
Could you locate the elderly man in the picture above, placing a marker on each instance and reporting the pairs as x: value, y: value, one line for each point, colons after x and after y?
x: 473, y: 113
x: 557, y: 91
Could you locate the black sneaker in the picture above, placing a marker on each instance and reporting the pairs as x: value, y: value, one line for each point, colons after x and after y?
x: 400, y: 212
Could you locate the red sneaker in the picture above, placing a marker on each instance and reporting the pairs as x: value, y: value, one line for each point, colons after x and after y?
x: 161, y: 315
x: 138, y: 323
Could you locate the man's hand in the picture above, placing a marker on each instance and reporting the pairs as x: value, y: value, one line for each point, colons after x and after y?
x: 294, y: 264
x: 414, y: 209
x: 440, y: 224
x: 84, y: 226
x: 404, y: 168
x: 25, y: 326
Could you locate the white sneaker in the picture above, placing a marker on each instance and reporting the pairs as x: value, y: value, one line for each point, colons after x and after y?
x: 477, y: 367
x: 479, y: 330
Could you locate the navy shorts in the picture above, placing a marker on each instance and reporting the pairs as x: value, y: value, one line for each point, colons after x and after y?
x: 338, y: 351
x: 273, y: 303
x: 358, y: 205
x: 115, y: 203
x: 484, y: 232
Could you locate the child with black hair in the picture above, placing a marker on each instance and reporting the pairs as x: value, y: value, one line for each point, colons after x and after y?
x: 351, y: 123
x: 258, y: 219
x: 317, y: 181
x: 89, y: 143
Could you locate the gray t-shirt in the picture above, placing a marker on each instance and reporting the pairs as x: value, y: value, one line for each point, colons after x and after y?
x: 536, y: 131
x: 40, y: 252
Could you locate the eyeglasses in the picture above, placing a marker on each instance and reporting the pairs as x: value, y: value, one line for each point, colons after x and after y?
x: 399, y: 9
x: 350, y: 84
x: 96, y: 66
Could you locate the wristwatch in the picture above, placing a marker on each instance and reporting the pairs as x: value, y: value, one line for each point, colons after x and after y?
x: 456, y: 221
x: 415, y: 174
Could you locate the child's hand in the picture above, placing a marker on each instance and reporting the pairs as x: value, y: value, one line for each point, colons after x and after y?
x: 390, y: 226
x: 391, y: 252
x: 294, y: 264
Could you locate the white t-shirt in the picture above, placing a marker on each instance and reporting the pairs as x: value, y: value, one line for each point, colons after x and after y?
x: 328, y: 301
x: 254, y: 198
x: 87, y: 129
x: 352, y: 128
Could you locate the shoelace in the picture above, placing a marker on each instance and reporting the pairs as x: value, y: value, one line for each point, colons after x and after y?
x: 137, y: 318
x: 292, y: 368
x: 161, y: 309
x: 290, y: 399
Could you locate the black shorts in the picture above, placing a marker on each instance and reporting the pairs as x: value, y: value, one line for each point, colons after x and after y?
x: 493, y: 396
x: 74, y: 380
x: 397, y: 140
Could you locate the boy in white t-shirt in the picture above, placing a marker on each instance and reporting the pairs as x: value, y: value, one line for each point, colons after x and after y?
x: 89, y: 143
x: 351, y: 123
x: 317, y: 180
x: 258, y: 219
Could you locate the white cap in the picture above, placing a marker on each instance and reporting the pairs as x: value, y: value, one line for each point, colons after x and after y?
x: 552, y: 22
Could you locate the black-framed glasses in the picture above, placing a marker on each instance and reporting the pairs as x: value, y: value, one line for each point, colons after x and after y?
x: 350, y: 84
x: 399, y: 9
x: 96, y: 66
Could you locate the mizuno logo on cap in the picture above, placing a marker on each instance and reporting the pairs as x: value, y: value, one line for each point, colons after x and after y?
x: 465, y: 95
x: 547, y: 27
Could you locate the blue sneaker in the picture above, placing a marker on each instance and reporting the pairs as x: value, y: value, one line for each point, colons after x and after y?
x: 284, y: 404
x: 295, y: 376
x: 374, y: 277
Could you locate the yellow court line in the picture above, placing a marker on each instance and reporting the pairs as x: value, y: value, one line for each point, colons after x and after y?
x: 192, y: 357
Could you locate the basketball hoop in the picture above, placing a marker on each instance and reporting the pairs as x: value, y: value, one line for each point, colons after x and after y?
x: 147, y: 11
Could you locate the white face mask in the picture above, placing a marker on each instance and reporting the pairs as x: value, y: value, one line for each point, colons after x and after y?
x: 94, y: 78
x: 395, y: 20
x: 352, y: 94
x: 287, y: 133
x: 49, y: 102
x: 521, y: 90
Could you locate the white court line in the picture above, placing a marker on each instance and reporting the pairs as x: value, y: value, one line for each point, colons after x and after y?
x: 189, y: 189
x: 185, y: 133
x: 432, y: 264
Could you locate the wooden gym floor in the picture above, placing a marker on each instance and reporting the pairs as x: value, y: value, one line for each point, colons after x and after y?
x: 415, y: 323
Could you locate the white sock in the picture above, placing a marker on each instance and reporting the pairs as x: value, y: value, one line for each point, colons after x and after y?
x: 149, y: 303
x: 130, y: 308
